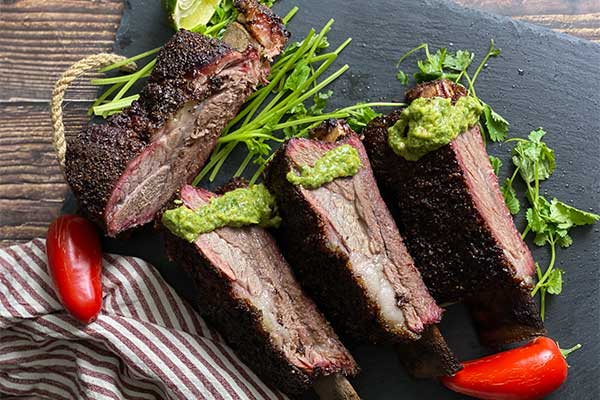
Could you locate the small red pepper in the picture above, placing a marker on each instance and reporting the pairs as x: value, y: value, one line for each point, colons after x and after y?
x: 528, y: 372
x: 75, y: 265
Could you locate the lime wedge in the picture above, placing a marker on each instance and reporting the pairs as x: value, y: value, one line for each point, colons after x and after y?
x: 189, y: 14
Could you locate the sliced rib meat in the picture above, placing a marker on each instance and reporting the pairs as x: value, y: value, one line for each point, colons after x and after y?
x: 122, y: 172
x: 345, y: 247
x: 451, y: 213
x: 247, y: 291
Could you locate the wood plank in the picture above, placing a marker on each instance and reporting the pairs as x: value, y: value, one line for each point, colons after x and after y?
x: 586, y: 26
x: 39, y: 40
x: 578, y: 18
x: 534, y: 7
x: 32, y: 188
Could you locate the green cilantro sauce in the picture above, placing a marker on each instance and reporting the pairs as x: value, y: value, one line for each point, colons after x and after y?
x: 430, y: 123
x: 240, y: 207
x: 338, y: 162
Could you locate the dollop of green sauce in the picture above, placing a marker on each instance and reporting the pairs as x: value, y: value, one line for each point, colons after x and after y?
x: 338, y: 162
x: 240, y: 207
x: 430, y: 123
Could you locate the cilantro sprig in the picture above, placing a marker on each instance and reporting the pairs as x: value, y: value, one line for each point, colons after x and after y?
x: 549, y: 220
x: 444, y: 64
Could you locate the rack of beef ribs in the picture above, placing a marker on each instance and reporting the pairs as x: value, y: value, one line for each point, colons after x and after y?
x: 123, y: 171
x: 347, y: 252
x: 246, y: 290
x: 451, y: 212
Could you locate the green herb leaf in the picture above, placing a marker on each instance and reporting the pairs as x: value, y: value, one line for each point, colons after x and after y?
x: 564, y: 240
x: 421, y: 76
x: 431, y: 68
x: 495, y: 125
x: 360, y: 118
x: 535, y: 220
x: 496, y: 164
x: 534, y: 158
x: 320, y: 102
x: 297, y: 77
x: 459, y: 61
x: 402, y: 77
x: 510, y: 197
x: 553, y: 284
x: 566, y: 216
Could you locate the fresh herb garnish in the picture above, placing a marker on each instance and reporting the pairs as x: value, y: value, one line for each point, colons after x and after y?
x: 281, y: 105
x: 550, y: 221
x: 455, y: 66
x: 496, y: 164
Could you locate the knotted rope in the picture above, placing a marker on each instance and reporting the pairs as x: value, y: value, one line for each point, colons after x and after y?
x: 82, y: 66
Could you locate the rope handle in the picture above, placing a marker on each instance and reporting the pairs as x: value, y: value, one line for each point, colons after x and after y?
x: 82, y: 66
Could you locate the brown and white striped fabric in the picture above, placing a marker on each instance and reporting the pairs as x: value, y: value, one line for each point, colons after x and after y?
x: 147, y: 343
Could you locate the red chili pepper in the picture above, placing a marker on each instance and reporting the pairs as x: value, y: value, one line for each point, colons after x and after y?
x: 75, y: 265
x: 528, y: 372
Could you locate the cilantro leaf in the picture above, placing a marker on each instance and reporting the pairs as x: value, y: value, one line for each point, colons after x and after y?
x: 496, y: 164
x: 564, y: 240
x: 431, y: 68
x: 537, y: 135
x: 495, y: 125
x: 299, y: 111
x: 298, y: 76
x: 567, y: 216
x: 551, y: 282
x: 510, y: 197
x: 554, y: 282
x: 320, y: 102
x: 459, y: 61
x: 361, y: 117
x: 534, y: 158
x: 538, y: 225
x: 402, y: 77
x: 437, y: 59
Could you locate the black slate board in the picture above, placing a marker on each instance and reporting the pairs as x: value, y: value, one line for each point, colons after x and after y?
x: 558, y: 89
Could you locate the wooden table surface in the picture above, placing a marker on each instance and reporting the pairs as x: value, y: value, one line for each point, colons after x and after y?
x: 39, y: 39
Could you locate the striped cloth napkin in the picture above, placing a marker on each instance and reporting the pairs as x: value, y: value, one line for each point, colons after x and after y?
x: 147, y: 343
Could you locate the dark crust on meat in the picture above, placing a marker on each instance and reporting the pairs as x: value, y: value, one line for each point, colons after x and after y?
x: 505, y: 316
x: 331, y: 130
x: 181, y: 59
x: 323, y: 271
x: 185, y: 53
x: 109, y: 146
x: 429, y: 356
x: 97, y: 157
x: 234, y: 183
x: 439, y: 88
x: 425, y: 227
x: 444, y: 231
x: 264, y: 26
x: 234, y: 319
